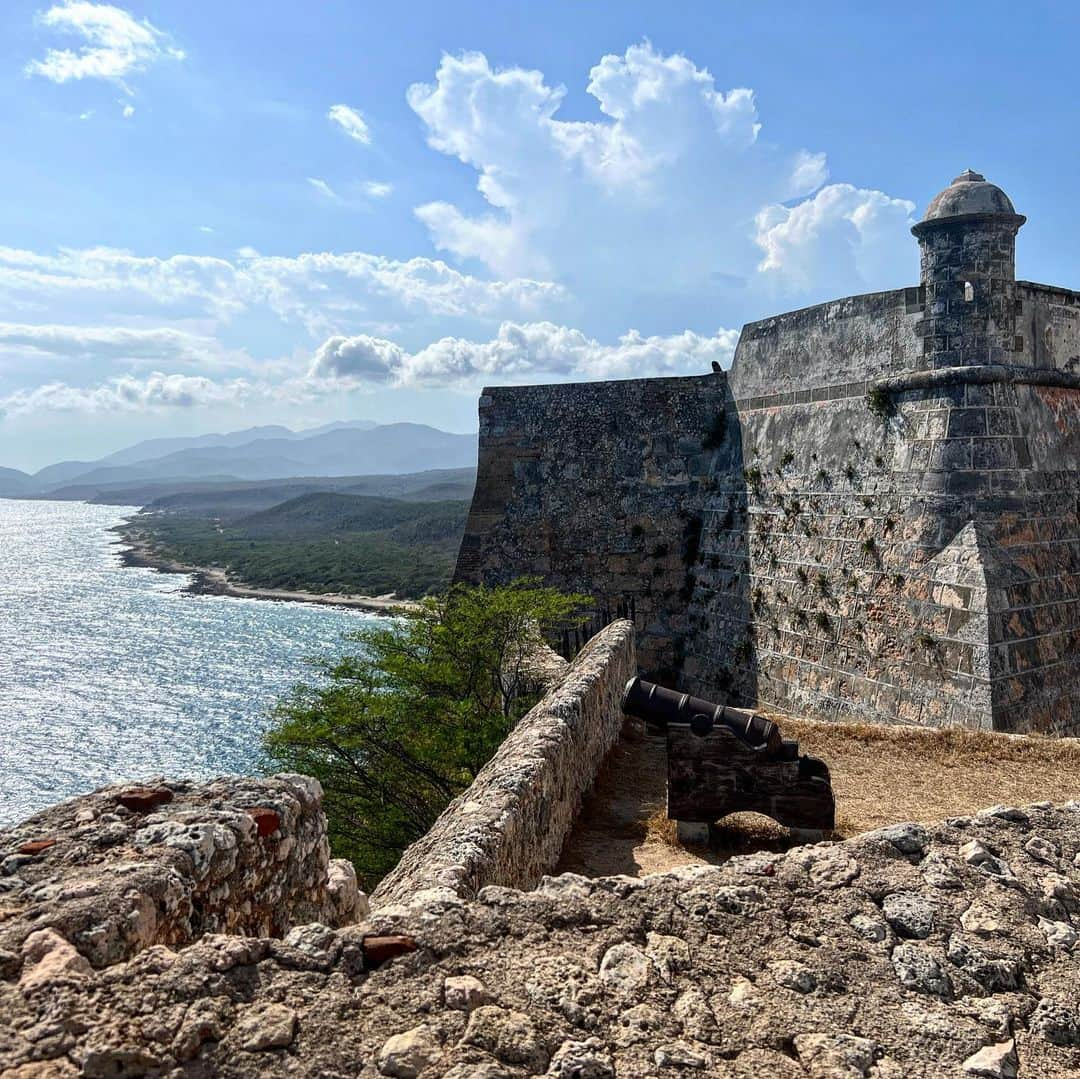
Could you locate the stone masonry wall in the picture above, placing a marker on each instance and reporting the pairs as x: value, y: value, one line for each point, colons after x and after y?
x: 867, y: 535
x: 914, y: 557
x: 598, y: 487
x: 98, y: 879
x: 509, y: 827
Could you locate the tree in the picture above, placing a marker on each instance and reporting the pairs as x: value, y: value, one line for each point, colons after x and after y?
x: 398, y: 728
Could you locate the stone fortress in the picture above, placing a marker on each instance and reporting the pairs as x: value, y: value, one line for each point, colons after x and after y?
x: 872, y: 516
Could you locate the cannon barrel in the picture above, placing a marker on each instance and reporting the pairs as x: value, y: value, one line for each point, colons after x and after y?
x: 659, y: 707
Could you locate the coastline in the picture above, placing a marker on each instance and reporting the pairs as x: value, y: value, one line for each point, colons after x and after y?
x: 210, y: 581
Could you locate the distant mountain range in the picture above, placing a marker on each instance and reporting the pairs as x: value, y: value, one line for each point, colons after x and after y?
x: 350, y: 448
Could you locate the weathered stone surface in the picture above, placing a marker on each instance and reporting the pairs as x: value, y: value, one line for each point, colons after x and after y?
x: 465, y: 993
x: 119, y: 880
x: 994, y: 1061
x: 909, y: 914
x: 919, y: 968
x: 406, y: 1055
x: 268, y: 1026
x: 712, y: 970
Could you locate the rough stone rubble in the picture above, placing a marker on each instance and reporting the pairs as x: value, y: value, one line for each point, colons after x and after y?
x: 98, y: 879
x: 915, y: 951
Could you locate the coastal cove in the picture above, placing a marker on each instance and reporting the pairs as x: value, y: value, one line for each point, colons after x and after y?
x: 137, y: 552
x: 117, y: 673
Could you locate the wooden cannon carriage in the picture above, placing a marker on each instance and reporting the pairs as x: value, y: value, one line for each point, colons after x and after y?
x: 725, y: 760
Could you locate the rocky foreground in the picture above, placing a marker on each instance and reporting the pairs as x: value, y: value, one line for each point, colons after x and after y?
x: 913, y: 951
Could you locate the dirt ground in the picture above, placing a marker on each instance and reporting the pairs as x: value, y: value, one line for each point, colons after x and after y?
x: 880, y: 775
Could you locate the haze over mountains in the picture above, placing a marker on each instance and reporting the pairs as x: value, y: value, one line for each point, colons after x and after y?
x: 349, y: 448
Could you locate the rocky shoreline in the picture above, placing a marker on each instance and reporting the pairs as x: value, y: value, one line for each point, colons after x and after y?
x: 210, y: 581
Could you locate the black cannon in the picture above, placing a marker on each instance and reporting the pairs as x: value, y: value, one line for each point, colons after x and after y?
x: 659, y: 707
x: 725, y: 760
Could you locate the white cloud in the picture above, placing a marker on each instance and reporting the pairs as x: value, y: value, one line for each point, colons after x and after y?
x: 651, y: 206
x: 378, y: 189
x: 323, y: 188
x: 111, y: 343
x: 114, y: 43
x: 843, y: 232
x: 323, y: 292
x: 519, y: 350
x: 205, y: 228
x: 351, y: 121
x: 130, y: 394
x: 128, y: 111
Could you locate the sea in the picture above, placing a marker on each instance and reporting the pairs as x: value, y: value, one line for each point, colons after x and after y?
x: 110, y: 673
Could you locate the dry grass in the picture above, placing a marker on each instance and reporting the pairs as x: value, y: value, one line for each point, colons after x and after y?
x: 880, y: 775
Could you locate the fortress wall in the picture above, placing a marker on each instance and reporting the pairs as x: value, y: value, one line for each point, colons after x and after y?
x: 1048, y: 322
x: 921, y: 567
x: 98, y: 879
x: 812, y: 555
x: 848, y: 340
x: 826, y: 589
x: 509, y: 827
x: 598, y: 487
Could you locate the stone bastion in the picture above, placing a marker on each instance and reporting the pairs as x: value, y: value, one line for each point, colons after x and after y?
x: 874, y: 515
x: 188, y: 930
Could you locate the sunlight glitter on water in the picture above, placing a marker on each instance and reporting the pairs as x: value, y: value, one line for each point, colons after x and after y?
x: 109, y: 673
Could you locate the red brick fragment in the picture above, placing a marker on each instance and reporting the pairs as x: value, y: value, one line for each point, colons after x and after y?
x: 144, y: 799
x: 378, y: 950
x: 266, y: 820
x: 36, y: 846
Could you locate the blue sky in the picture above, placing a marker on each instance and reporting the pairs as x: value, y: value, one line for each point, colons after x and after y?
x: 214, y: 215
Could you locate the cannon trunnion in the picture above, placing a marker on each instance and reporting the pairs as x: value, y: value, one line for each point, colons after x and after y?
x: 725, y: 760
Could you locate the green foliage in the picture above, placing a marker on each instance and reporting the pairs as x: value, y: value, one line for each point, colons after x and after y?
x: 880, y: 403
x: 752, y: 475
x: 823, y: 621
x: 787, y: 458
x: 400, y: 726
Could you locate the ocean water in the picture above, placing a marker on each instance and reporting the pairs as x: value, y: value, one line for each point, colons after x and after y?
x: 113, y: 674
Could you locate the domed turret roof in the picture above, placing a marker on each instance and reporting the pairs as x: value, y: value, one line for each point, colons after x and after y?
x: 970, y: 193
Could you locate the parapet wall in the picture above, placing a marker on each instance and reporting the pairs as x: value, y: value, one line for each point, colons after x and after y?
x: 98, y: 879
x: 509, y: 827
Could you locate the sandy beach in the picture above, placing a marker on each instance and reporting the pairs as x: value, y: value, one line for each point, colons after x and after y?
x: 211, y: 581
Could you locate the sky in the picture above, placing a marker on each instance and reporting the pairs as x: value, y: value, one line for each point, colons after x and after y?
x: 220, y: 215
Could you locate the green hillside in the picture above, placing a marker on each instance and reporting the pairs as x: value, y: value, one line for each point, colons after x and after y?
x: 321, y: 541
